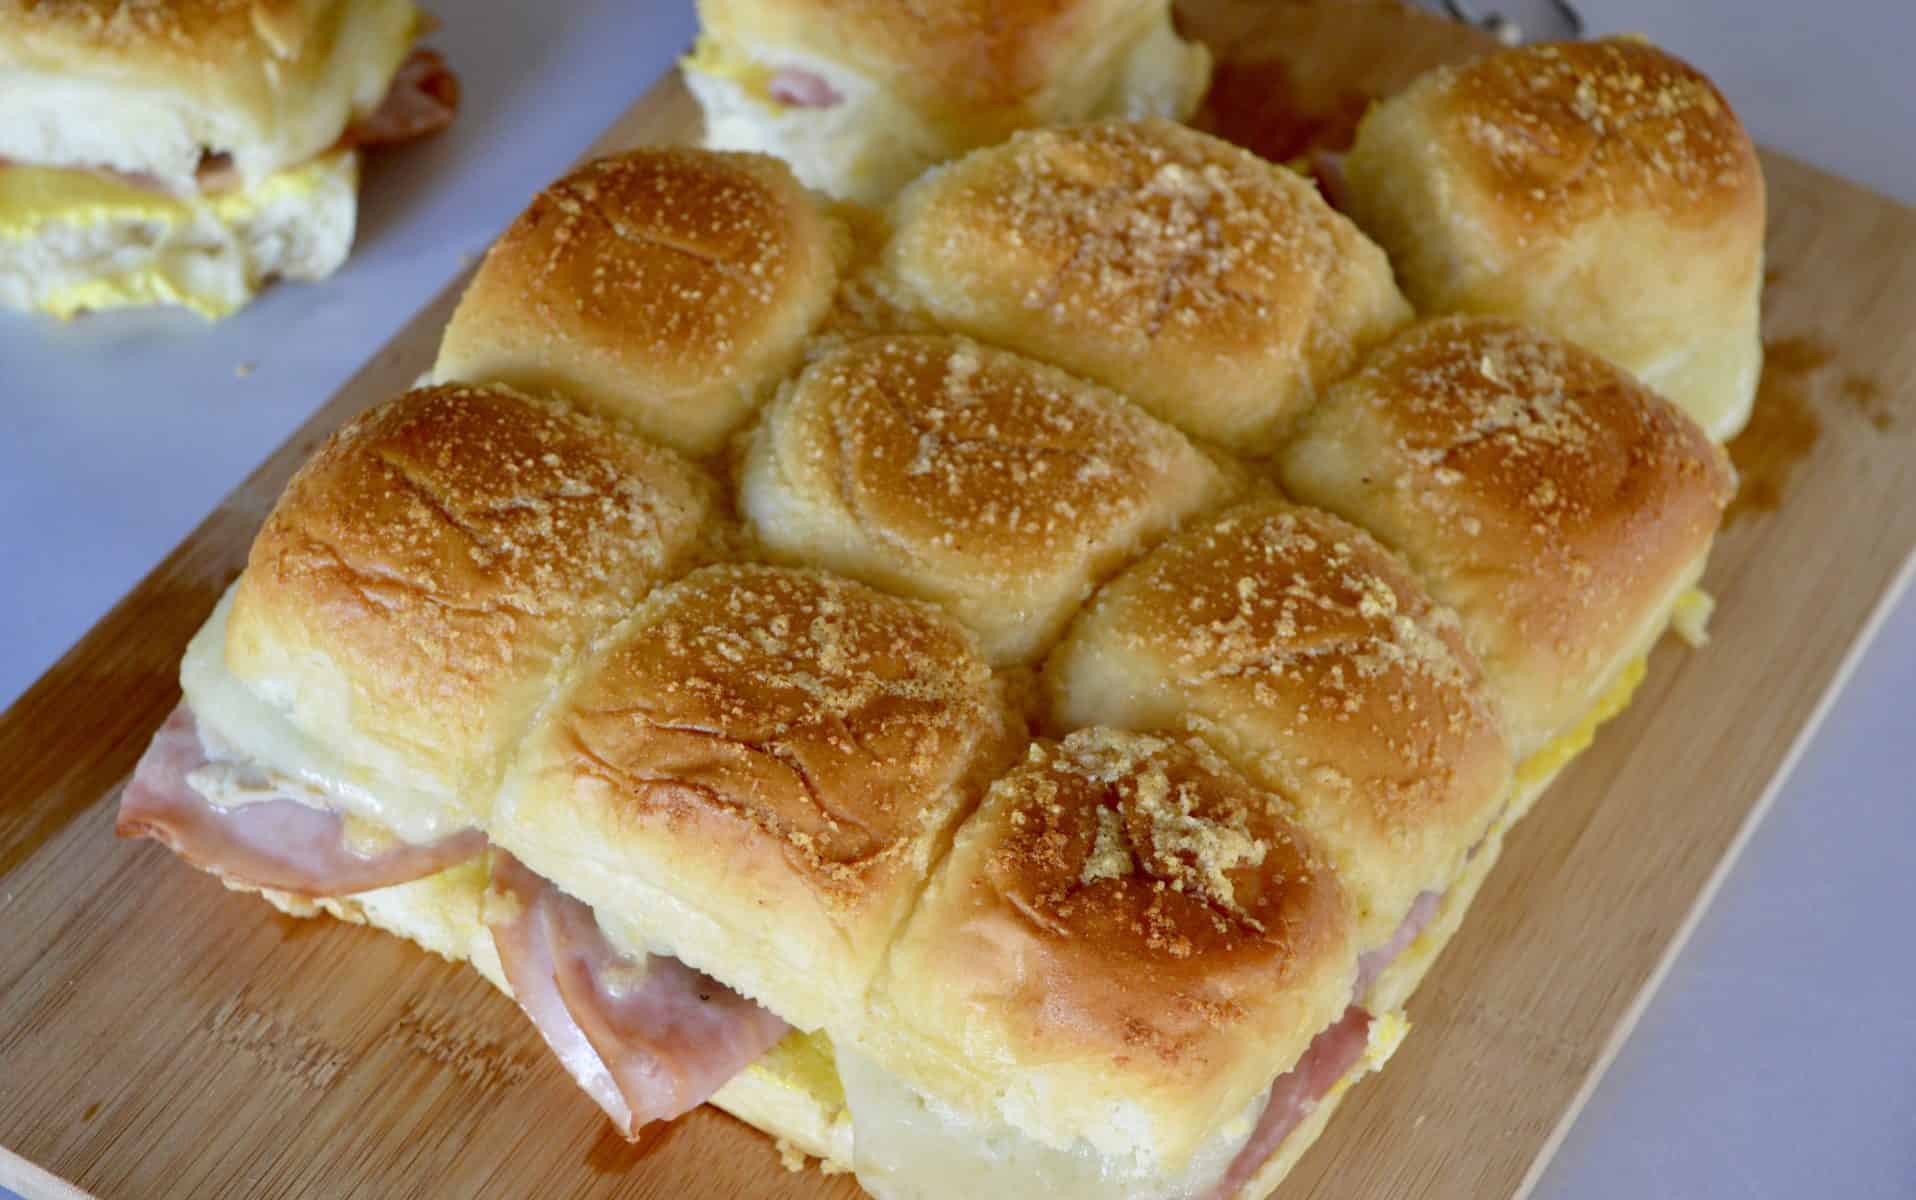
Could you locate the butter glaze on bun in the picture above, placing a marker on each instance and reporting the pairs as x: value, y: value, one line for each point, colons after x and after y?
x: 436, y: 566
x: 758, y: 740
x: 1217, y: 290
x: 1556, y: 503
x: 999, y: 487
x: 1126, y: 945
x: 1602, y: 191
x: 1310, y: 657
x: 153, y: 89
x: 670, y: 288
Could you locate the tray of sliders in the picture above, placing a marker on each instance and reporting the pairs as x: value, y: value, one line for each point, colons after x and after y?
x: 963, y: 637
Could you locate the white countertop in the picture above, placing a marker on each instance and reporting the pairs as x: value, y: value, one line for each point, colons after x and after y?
x: 1779, y: 1058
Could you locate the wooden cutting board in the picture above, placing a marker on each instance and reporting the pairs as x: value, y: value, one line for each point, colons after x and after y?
x: 160, y: 1036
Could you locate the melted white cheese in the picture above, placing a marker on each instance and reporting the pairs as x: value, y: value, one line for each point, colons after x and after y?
x: 263, y: 749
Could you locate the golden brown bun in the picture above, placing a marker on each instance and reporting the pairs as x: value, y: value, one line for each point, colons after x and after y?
x: 911, y: 85
x: 1215, y: 289
x: 998, y: 487
x: 151, y: 87
x: 1310, y: 657
x: 1126, y: 945
x: 79, y: 241
x: 665, y: 286
x: 1602, y: 191
x: 436, y: 565
x: 757, y: 775
x: 1558, y: 505
x: 983, y: 68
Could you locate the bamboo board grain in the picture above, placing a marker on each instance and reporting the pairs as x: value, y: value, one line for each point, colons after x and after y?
x: 159, y: 1036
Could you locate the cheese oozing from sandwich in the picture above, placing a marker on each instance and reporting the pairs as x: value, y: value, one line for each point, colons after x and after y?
x: 72, y: 241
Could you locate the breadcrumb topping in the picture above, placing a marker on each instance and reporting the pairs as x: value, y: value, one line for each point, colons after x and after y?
x: 679, y: 255
x: 1151, y: 839
x: 1544, y: 492
x: 1567, y: 130
x: 982, y: 461
x: 1313, y: 650
x: 456, y: 542
x: 835, y: 721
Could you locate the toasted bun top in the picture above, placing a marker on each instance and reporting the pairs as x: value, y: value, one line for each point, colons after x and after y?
x: 818, y: 718
x: 972, y: 476
x: 1548, y: 496
x: 440, y: 559
x: 666, y: 286
x: 1148, y: 860
x: 1130, y: 911
x: 988, y: 65
x: 151, y: 87
x: 1566, y: 131
x: 757, y: 774
x: 1217, y: 290
x: 1601, y: 191
x: 1312, y: 659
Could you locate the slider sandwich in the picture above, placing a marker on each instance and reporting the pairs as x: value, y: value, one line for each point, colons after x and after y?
x: 860, y: 97
x: 750, y: 782
x: 353, y: 701
x: 744, y: 857
x: 1601, y: 191
x: 186, y: 151
x: 1132, y: 977
x: 1312, y: 660
x: 1025, y: 799
x: 1562, y: 509
x: 1215, y: 289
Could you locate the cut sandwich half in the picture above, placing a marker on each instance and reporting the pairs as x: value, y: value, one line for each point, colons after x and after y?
x: 186, y: 153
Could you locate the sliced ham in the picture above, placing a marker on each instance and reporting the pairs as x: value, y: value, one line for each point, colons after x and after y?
x: 649, y: 1039
x: 422, y: 99
x: 796, y: 88
x: 1371, y: 963
x: 279, y: 843
x: 1296, y: 1094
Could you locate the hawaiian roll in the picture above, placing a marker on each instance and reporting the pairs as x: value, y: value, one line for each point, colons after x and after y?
x: 1310, y: 657
x: 1127, y: 944
x: 668, y: 287
x: 1217, y: 290
x: 998, y: 487
x: 1603, y: 191
x: 860, y: 96
x: 1556, y: 503
x: 757, y: 774
x: 422, y: 584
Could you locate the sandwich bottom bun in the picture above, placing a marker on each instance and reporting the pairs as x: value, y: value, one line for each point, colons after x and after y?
x: 440, y: 912
x: 71, y: 241
x: 791, y: 1093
